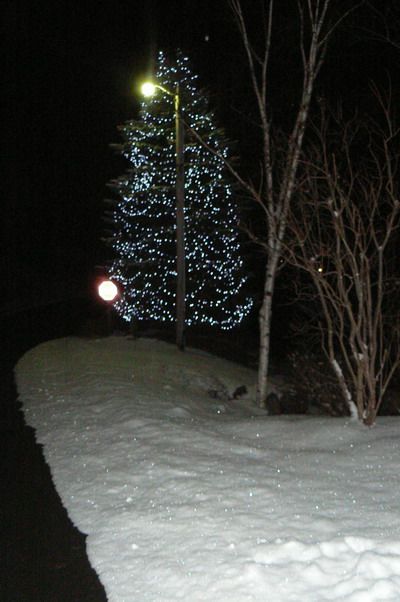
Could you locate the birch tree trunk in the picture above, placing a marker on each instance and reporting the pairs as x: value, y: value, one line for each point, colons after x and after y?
x: 265, y: 320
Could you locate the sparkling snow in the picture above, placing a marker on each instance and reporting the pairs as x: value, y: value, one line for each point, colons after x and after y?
x: 186, y: 495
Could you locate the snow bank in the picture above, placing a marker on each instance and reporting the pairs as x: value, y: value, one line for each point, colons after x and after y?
x: 185, y: 496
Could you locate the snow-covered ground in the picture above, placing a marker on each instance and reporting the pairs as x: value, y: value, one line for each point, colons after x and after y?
x: 186, y: 496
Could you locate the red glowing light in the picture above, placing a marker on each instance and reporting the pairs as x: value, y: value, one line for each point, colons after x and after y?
x: 107, y: 290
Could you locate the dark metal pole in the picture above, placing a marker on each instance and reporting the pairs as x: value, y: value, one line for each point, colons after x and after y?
x: 180, y: 226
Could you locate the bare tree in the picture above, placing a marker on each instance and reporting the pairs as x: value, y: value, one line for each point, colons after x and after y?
x: 346, y: 228
x: 279, y: 163
x: 280, y: 155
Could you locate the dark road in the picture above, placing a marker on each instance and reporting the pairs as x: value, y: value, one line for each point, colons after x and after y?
x: 43, y: 554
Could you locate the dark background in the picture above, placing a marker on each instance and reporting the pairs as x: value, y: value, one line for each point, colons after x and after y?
x: 71, y: 75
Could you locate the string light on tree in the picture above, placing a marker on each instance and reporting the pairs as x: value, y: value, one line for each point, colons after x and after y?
x: 143, y: 219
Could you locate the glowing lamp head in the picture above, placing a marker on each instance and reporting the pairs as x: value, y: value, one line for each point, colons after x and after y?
x: 107, y: 290
x: 148, y: 89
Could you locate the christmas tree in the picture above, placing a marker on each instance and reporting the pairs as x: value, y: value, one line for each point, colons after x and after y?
x: 143, y: 220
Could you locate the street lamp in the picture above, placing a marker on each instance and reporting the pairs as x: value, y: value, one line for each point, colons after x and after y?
x: 148, y: 89
x: 108, y: 291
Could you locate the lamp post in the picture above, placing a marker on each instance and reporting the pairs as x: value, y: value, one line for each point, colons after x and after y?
x: 108, y: 291
x: 148, y: 89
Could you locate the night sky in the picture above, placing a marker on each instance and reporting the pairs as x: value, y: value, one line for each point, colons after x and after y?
x: 69, y: 79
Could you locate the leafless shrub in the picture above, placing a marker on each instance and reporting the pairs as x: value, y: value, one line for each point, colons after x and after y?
x: 344, y: 232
